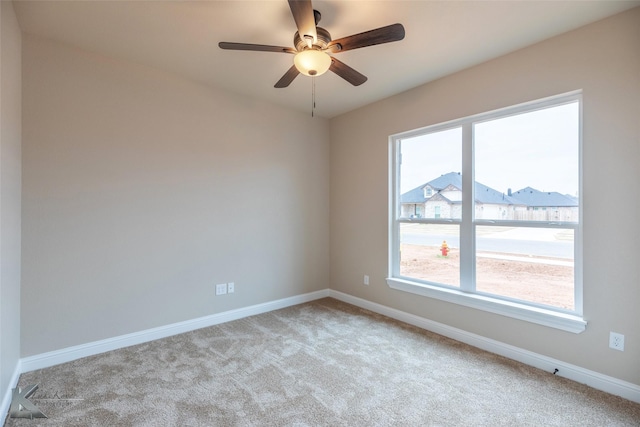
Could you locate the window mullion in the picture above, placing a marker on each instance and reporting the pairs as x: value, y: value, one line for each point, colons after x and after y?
x: 394, y: 207
x: 467, y: 229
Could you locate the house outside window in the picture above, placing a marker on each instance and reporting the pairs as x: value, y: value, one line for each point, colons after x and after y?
x: 509, y: 251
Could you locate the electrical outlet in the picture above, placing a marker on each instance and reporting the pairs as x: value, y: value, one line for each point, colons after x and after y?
x: 366, y: 280
x: 616, y: 341
x: 221, y: 289
x: 231, y: 287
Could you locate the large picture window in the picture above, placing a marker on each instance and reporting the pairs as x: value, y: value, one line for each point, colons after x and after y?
x: 485, y: 211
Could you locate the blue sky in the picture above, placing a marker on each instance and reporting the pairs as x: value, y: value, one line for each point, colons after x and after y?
x: 537, y: 149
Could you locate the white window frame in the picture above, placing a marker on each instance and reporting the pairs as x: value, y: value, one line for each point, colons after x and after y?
x: 571, y: 321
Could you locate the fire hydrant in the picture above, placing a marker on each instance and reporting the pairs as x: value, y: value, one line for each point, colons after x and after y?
x: 444, y: 248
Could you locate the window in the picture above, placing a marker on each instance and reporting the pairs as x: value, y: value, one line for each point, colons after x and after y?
x: 502, y: 230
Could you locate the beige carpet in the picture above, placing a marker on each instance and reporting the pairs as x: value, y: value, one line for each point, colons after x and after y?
x: 323, y: 363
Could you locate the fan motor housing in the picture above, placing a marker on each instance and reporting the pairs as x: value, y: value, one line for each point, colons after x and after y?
x: 323, y: 40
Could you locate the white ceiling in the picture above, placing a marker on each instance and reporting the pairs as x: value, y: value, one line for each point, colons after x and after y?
x: 182, y: 37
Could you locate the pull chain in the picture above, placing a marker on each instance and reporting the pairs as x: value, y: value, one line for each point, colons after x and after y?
x: 313, y: 94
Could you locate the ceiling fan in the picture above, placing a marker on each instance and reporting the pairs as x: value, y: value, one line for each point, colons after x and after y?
x: 313, y: 45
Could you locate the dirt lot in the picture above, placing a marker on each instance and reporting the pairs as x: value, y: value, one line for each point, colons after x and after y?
x: 541, y: 283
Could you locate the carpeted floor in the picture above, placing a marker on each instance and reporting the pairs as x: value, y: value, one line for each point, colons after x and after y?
x: 325, y: 363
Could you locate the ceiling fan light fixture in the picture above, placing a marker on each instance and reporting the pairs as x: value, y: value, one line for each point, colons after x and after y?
x: 312, y: 62
x: 313, y: 44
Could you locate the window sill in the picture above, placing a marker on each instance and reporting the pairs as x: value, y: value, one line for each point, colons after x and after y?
x: 541, y: 316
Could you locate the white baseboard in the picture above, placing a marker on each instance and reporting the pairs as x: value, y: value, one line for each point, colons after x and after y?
x: 8, y: 394
x: 593, y: 379
x: 68, y: 354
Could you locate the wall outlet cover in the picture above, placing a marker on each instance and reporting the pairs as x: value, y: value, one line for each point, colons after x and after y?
x: 616, y: 341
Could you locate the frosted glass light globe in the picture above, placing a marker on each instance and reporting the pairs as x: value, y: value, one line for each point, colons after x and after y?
x: 312, y: 62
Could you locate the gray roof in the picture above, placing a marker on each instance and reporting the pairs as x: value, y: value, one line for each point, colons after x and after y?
x: 532, y: 197
x: 483, y: 193
x: 442, y: 182
x: 413, y: 196
x: 527, y: 196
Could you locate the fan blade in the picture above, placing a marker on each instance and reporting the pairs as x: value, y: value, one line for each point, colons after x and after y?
x: 347, y: 73
x: 255, y: 47
x: 390, y: 33
x: 302, y: 12
x: 288, y: 77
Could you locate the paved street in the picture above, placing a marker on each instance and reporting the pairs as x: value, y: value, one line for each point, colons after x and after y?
x: 534, y: 241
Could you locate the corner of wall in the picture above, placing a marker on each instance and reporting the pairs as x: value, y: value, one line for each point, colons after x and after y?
x: 10, y: 199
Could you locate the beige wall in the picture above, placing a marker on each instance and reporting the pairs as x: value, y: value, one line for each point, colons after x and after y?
x: 603, y: 59
x: 140, y: 192
x: 10, y: 167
